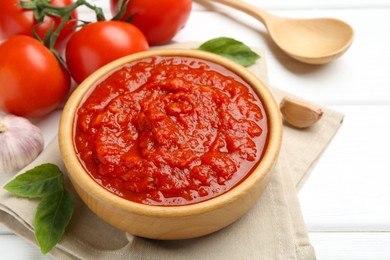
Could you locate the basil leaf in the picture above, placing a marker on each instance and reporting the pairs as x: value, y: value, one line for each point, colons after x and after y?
x: 55, y: 209
x: 37, y: 182
x: 53, y: 214
x: 231, y: 49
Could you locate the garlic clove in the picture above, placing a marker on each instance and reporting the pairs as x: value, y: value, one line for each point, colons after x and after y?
x: 300, y: 114
x: 20, y: 143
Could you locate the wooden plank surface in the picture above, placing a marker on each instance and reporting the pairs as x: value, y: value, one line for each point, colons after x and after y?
x: 346, y: 199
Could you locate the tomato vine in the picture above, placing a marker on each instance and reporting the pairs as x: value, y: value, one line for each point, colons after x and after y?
x: 42, y: 8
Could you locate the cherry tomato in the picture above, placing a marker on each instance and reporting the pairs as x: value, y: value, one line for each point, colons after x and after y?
x: 99, y: 43
x: 32, y: 81
x: 159, y: 20
x: 16, y: 20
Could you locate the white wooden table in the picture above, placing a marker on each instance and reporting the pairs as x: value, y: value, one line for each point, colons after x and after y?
x: 346, y: 199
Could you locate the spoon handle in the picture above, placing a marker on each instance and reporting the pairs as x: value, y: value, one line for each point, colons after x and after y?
x: 249, y: 9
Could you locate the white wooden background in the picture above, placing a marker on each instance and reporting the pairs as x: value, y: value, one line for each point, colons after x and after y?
x: 346, y: 199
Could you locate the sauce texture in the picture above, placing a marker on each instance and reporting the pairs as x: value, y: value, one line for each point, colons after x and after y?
x: 170, y: 130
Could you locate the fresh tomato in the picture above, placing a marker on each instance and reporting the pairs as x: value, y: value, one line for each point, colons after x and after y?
x: 159, y: 20
x: 99, y: 43
x: 32, y: 80
x: 16, y: 20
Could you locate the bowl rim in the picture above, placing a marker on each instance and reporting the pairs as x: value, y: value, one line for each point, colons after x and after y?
x: 74, y: 166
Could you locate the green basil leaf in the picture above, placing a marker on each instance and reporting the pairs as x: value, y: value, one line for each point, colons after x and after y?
x: 55, y: 209
x: 53, y: 214
x: 37, y: 182
x: 231, y: 49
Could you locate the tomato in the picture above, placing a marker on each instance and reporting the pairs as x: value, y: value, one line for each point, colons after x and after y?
x: 16, y: 20
x: 99, y: 43
x: 159, y: 20
x: 32, y: 81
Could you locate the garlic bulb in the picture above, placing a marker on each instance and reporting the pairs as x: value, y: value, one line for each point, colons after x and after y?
x: 20, y: 143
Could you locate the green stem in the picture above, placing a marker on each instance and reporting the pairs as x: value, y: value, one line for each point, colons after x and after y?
x: 42, y: 8
x: 53, y: 37
x: 122, y: 6
x: 98, y: 11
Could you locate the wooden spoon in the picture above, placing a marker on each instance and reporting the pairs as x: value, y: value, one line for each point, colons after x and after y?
x: 313, y: 41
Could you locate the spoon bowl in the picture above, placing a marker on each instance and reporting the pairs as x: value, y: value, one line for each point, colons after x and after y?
x: 312, y: 41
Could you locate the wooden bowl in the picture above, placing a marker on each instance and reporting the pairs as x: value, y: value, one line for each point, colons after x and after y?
x: 170, y: 222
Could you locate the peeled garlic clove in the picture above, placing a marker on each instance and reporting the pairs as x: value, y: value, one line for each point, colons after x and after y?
x: 20, y: 143
x: 300, y: 114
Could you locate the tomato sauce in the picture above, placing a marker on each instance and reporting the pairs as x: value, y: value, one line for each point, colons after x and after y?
x: 170, y: 131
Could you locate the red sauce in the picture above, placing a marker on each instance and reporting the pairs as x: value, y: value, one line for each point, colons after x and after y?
x: 170, y: 131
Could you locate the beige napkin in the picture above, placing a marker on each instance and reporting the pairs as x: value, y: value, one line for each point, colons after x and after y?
x: 272, y: 229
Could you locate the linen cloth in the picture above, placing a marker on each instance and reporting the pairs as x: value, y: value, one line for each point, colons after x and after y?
x: 273, y: 229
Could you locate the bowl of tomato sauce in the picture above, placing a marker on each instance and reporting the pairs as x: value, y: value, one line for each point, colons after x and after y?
x: 170, y: 144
